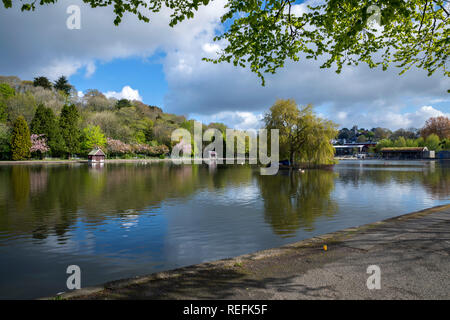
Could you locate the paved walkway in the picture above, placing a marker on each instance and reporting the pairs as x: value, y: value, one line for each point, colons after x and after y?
x: 412, y: 252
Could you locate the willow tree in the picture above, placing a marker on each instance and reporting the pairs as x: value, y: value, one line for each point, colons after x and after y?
x: 264, y: 34
x: 303, y: 136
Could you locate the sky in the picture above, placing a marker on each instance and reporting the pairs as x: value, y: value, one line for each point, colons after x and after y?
x: 163, y: 66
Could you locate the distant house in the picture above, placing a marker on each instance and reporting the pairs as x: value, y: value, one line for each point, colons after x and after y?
x: 353, y: 148
x: 407, y: 153
x: 348, y: 150
x: 96, y: 155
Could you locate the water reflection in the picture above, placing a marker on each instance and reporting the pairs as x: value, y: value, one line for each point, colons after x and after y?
x: 294, y: 200
x: 40, y: 200
x: 121, y: 220
x: 433, y: 176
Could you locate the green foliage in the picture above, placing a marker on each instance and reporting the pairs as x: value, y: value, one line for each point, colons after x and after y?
x: 264, y: 36
x: 97, y: 101
x: 42, y: 82
x: 5, y: 139
x: 384, y: 143
x: 123, y: 103
x: 432, y: 142
x: 139, y: 137
x: 400, y: 142
x: 420, y: 142
x: 445, y: 144
x: 361, y: 138
x: 6, y: 91
x: 381, y: 133
x: 21, y: 104
x: 20, y: 140
x: 68, y: 123
x: 411, y: 143
x: 3, y: 112
x: 92, y: 136
x: 181, y: 9
x: 62, y: 84
x: 148, y: 130
x: 45, y: 122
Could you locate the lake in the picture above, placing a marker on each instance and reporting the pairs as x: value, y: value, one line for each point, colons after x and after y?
x: 130, y: 219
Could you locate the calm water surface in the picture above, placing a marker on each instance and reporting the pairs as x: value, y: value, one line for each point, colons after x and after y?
x: 124, y: 220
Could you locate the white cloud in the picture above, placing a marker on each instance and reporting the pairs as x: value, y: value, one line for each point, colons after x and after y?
x: 211, y: 47
x: 234, y: 119
x: 43, y: 45
x: 90, y: 69
x: 342, y: 115
x: 126, y: 93
x: 359, y: 95
x: 57, y: 68
x: 395, y: 120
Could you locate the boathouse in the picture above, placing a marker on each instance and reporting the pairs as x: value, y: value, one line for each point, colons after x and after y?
x: 407, y: 153
x: 348, y: 150
x: 96, y: 155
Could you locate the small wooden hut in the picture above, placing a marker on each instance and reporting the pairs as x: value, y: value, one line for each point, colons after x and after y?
x: 96, y: 155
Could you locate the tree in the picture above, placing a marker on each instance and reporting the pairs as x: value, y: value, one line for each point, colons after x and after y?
x: 400, y: 142
x: 97, y: 101
x: 445, y: 144
x: 62, y: 84
x: 39, y: 144
x: 303, y: 136
x: 20, y: 104
x: 123, y: 103
x: 412, y: 143
x: 361, y: 138
x: 117, y: 147
x: 381, y: 133
x: 38, y: 124
x: 5, y: 139
x: 432, y: 142
x: 345, y: 134
x: 437, y: 125
x: 264, y: 34
x: 384, y: 143
x: 6, y: 91
x: 68, y: 123
x: 93, y: 137
x: 45, y: 122
x: 410, y: 133
x: 20, y: 140
x: 3, y: 112
x: 42, y: 82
